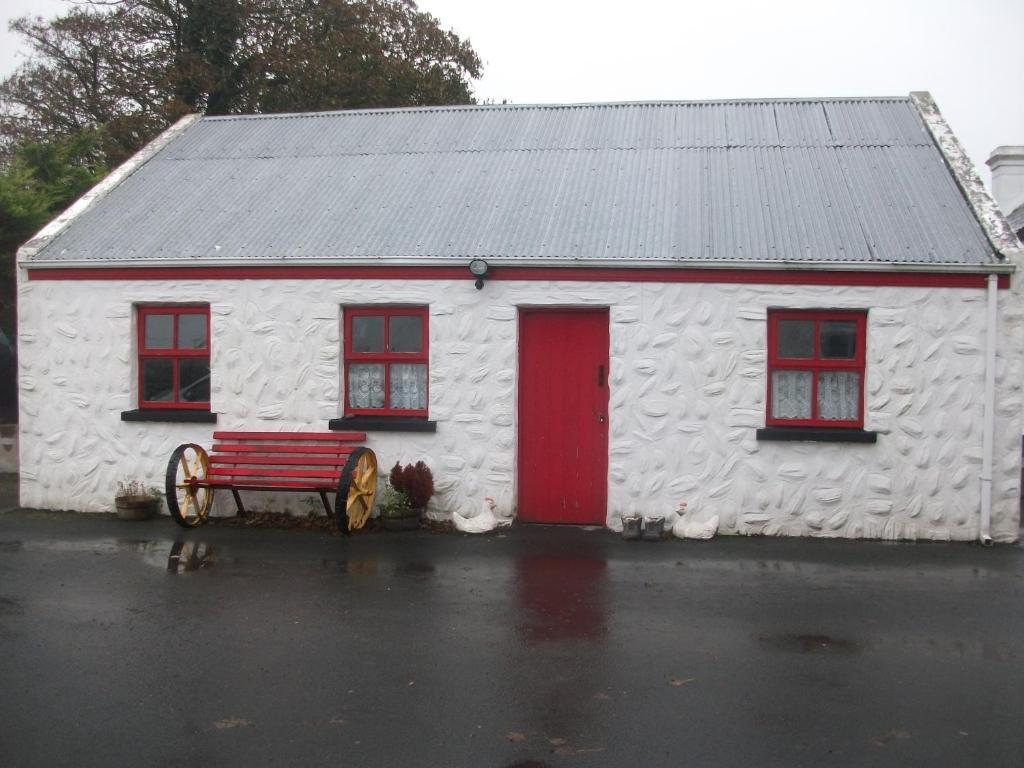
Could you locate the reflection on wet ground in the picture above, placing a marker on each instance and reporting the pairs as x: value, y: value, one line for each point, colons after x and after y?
x: 809, y: 643
x: 352, y: 567
x: 418, y: 570
x: 96, y: 546
x: 561, y: 598
x: 11, y: 606
x: 514, y: 650
x: 177, y: 557
x: 190, y: 556
x: 415, y: 569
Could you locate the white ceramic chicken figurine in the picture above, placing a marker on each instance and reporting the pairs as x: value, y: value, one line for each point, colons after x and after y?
x: 484, y: 520
x: 685, y: 528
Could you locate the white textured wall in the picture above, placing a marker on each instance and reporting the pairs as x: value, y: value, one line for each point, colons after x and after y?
x: 687, y: 392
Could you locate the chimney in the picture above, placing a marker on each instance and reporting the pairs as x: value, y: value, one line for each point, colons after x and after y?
x: 1007, y: 164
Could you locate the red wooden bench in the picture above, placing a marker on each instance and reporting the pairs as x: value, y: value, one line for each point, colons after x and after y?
x: 321, y: 462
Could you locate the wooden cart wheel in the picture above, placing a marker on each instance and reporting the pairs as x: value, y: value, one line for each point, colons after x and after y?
x: 188, y: 500
x: 357, y: 490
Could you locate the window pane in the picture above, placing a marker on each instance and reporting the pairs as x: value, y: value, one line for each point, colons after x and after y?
x: 406, y: 334
x: 791, y: 394
x: 158, y: 380
x: 159, y: 331
x: 194, y: 381
x: 796, y: 339
x: 366, y: 386
x: 367, y: 334
x: 191, y: 331
x: 839, y: 395
x: 838, y: 340
x: 408, y: 386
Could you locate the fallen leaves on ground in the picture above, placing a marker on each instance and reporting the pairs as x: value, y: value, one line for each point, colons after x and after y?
x: 436, y: 526
x: 679, y: 682
x: 885, y: 738
x: 515, y: 736
x: 281, y: 520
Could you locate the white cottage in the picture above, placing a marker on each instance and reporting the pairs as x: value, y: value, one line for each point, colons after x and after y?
x: 799, y: 316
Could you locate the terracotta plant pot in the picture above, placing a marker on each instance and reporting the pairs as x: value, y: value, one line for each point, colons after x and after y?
x: 136, y: 507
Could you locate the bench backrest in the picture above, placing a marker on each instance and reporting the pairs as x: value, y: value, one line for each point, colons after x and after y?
x: 285, y: 460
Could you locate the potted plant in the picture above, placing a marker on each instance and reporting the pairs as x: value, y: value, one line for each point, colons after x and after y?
x: 133, y: 501
x: 405, y: 497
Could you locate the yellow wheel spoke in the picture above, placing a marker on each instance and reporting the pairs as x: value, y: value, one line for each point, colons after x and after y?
x: 357, y: 512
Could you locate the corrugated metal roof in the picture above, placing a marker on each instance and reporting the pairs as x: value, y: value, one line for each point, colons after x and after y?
x: 840, y: 180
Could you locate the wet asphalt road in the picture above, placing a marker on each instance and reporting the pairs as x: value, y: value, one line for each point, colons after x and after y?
x: 140, y: 644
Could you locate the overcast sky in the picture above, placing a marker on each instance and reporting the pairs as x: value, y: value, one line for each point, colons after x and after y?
x: 968, y: 53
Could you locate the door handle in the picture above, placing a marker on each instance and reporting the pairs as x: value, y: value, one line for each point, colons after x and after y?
x: 600, y: 375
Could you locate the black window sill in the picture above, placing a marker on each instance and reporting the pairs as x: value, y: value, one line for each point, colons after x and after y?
x: 382, y: 424
x: 817, y: 434
x: 178, y: 415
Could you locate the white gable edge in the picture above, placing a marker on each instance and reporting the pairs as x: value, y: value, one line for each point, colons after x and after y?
x: 103, y: 188
x: 994, y: 224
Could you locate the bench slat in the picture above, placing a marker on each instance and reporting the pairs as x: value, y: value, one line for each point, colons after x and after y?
x: 322, y: 474
x: 337, y: 437
x: 255, y: 484
x: 341, y: 450
x: 218, y: 460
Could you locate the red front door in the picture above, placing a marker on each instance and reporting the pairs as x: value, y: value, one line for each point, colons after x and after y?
x: 563, y: 416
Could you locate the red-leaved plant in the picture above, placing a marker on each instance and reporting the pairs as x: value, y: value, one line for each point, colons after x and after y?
x: 414, y: 480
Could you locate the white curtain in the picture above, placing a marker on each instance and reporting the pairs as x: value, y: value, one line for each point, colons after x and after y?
x: 791, y: 394
x: 408, y: 386
x: 366, y: 386
x: 839, y: 395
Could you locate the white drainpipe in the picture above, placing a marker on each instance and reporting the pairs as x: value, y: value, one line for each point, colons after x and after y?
x: 984, y: 534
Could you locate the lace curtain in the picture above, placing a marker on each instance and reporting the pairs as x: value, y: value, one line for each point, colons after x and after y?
x: 838, y: 395
x: 366, y: 386
x: 791, y: 394
x: 408, y: 386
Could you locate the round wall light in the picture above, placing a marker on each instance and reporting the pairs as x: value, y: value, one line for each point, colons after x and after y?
x: 478, y: 269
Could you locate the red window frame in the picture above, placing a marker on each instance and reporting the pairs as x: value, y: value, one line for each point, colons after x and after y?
x: 386, y: 357
x: 172, y: 353
x: 816, y: 364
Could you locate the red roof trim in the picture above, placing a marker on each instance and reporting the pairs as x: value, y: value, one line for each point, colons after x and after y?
x: 574, y: 274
